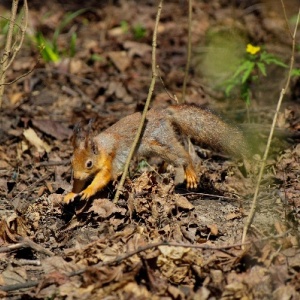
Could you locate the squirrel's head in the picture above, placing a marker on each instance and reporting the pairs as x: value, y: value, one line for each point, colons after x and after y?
x: 86, y: 153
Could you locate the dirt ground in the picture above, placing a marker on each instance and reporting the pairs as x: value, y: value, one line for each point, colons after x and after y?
x: 161, y: 241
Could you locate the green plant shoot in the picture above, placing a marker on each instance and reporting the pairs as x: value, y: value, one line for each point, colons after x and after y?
x: 50, y: 51
x: 253, y: 64
x: 139, y: 31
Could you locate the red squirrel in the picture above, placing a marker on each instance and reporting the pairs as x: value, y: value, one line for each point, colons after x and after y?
x: 102, y: 157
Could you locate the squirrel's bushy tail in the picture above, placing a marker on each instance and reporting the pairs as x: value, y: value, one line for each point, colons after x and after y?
x: 208, y: 129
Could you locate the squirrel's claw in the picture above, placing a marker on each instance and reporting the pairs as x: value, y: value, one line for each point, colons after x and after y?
x: 191, y: 178
x: 87, y: 193
x: 69, y: 197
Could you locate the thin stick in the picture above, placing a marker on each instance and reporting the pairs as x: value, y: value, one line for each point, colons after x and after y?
x: 283, y: 91
x: 16, y: 48
x: 141, y: 126
x: 5, y: 58
x: 10, y: 50
x: 189, y: 51
x: 26, y: 243
x: 21, y: 76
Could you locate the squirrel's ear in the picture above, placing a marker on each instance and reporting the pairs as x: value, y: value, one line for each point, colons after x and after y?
x: 88, y: 141
x: 94, y: 147
x: 77, y: 136
x: 89, y: 138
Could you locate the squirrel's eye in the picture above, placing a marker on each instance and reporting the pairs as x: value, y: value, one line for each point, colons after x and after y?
x: 89, y: 164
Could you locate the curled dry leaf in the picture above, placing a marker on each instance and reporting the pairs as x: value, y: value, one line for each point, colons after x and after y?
x: 183, y: 203
x: 34, y: 140
x: 175, y: 262
x: 12, y: 228
x: 105, y: 208
x: 213, y: 229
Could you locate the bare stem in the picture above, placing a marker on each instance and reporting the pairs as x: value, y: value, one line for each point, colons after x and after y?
x: 282, y: 93
x: 141, y: 125
x: 189, y: 51
x: 11, y: 50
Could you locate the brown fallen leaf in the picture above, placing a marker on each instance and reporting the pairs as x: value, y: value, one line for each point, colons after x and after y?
x: 15, y: 276
x: 53, y: 128
x: 135, y: 48
x: 137, y: 291
x: 16, y: 98
x: 120, y: 59
x: 104, y: 208
x: 183, y: 203
x: 34, y: 140
x: 233, y: 216
x: 58, y: 264
x: 175, y: 292
x: 213, y: 229
x: 285, y: 292
x: 4, y: 165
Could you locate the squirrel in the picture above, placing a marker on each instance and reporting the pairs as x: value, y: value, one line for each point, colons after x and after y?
x: 101, y: 158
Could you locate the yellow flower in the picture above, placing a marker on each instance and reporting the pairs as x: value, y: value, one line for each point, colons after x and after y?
x: 252, y: 49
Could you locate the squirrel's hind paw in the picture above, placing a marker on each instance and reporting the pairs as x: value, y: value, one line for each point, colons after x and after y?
x: 191, y: 178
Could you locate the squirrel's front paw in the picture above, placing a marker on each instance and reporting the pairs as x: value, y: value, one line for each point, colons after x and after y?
x: 87, y: 193
x: 69, y: 197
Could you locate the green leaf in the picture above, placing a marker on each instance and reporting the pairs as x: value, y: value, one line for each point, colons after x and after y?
x: 244, y: 66
x: 66, y: 20
x: 229, y: 89
x: 73, y: 44
x: 295, y: 72
x: 272, y: 59
x: 47, y: 53
x: 261, y: 66
x: 139, y: 31
x: 248, y: 71
x: 124, y: 26
x: 96, y: 57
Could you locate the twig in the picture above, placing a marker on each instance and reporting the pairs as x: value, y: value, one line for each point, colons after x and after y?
x: 125, y: 256
x: 19, y: 286
x: 26, y: 243
x: 21, y: 76
x: 4, y: 61
x: 84, y: 80
x: 286, y: 20
x: 208, y: 195
x: 32, y: 186
x: 11, y: 50
x: 282, y: 93
x: 189, y: 51
x: 141, y: 125
x: 172, y: 97
x: 16, y: 48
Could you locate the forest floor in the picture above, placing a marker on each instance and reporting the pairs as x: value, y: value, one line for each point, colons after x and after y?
x: 161, y: 241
